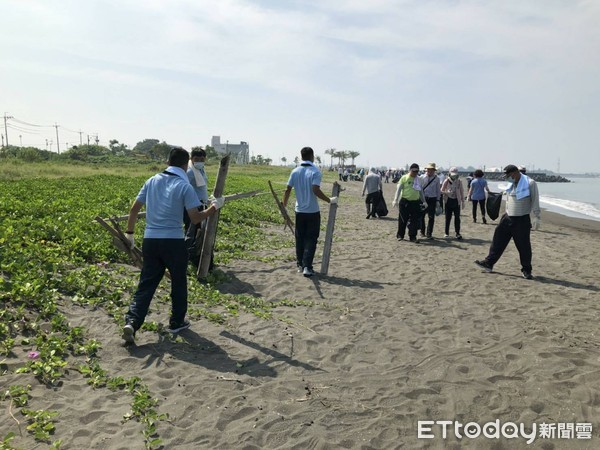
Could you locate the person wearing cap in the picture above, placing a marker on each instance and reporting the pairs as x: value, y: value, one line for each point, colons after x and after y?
x: 523, y: 199
x: 476, y: 194
x: 522, y: 169
x: 454, y: 200
x: 411, y: 202
x: 306, y: 182
x: 166, y: 195
x: 433, y: 196
x: 372, y: 185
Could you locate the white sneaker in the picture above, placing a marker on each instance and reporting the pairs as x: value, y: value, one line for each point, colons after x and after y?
x: 446, y: 236
x: 308, y: 272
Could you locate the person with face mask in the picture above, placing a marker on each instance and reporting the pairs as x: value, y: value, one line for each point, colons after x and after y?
x: 196, y: 174
x: 454, y: 200
x: 411, y: 202
x: 522, y: 199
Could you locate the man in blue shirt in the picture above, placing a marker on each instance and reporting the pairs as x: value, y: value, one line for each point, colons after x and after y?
x: 306, y: 182
x: 166, y: 195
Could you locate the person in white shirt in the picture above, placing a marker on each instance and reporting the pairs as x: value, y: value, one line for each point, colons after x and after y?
x: 523, y: 199
x: 372, y: 185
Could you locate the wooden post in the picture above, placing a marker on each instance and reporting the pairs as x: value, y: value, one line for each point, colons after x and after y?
x: 210, y: 235
x: 286, y: 217
x: 329, y: 233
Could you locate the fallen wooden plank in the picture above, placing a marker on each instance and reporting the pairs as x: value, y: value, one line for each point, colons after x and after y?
x: 227, y: 198
x: 121, y: 242
x: 286, y: 217
x: 329, y: 232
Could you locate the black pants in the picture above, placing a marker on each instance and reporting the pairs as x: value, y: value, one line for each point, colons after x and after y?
x: 452, y: 207
x: 409, y: 215
x: 519, y: 229
x: 481, y: 207
x: 160, y: 254
x: 194, y: 239
x: 308, y: 226
x: 430, y: 212
x: 371, y: 201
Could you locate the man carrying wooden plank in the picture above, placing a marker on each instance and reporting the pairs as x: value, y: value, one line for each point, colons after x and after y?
x: 306, y: 182
x: 166, y: 195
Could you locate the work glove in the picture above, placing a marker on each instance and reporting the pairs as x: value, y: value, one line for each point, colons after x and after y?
x: 217, y: 202
x: 333, y: 200
x: 536, y: 223
x: 130, y: 240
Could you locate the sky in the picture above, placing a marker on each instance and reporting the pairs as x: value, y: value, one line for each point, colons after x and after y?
x: 457, y: 82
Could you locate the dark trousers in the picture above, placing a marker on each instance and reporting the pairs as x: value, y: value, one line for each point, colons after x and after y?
x: 371, y: 201
x: 430, y: 212
x: 160, y: 254
x: 308, y: 226
x: 519, y: 229
x: 452, y: 207
x: 409, y: 215
x: 194, y: 238
x: 481, y: 204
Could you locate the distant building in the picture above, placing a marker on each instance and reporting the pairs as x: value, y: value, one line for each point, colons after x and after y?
x: 240, y: 153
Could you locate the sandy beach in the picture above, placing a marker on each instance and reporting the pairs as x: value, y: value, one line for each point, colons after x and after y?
x: 397, y: 333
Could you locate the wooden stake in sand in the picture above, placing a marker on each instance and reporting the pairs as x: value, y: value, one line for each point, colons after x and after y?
x: 210, y: 234
x: 329, y: 233
x: 286, y: 217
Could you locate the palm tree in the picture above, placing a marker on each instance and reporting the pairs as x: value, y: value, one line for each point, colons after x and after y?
x: 284, y: 160
x: 353, y: 155
x: 338, y: 155
x: 331, y: 152
x: 318, y: 159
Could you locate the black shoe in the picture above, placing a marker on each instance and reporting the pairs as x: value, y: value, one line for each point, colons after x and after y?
x: 128, y: 334
x: 527, y: 274
x: 429, y: 237
x: 474, y: 220
x: 484, y: 221
x: 177, y: 327
x: 459, y: 237
x: 484, y: 265
x: 415, y: 240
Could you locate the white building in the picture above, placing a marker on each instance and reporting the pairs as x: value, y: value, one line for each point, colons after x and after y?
x: 240, y: 153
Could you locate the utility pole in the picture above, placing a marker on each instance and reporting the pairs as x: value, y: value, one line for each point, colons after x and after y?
x: 88, y: 138
x: 6, y: 117
x: 80, y: 137
x: 2, y: 140
x: 21, y: 140
x: 57, y: 141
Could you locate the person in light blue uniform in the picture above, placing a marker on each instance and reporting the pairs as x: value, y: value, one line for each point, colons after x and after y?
x: 194, y: 234
x: 165, y: 195
x: 306, y: 182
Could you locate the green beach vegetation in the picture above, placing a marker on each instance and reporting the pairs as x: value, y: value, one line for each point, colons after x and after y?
x: 53, y: 255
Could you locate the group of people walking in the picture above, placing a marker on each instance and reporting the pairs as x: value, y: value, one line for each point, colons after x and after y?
x: 420, y: 198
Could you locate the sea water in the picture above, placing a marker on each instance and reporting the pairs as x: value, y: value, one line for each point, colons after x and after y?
x: 580, y: 198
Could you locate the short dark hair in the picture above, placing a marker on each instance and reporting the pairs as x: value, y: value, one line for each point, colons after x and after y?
x: 178, y: 157
x: 307, y: 153
x: 478, y: 173
x: 198, y: 152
